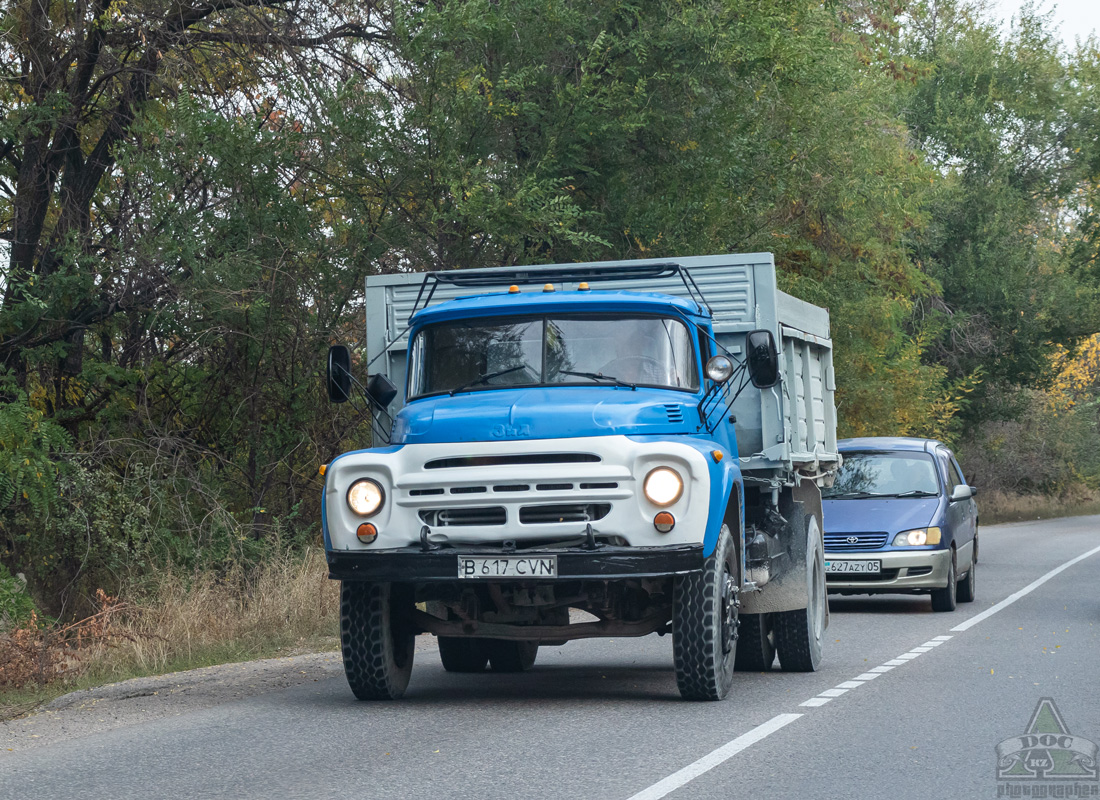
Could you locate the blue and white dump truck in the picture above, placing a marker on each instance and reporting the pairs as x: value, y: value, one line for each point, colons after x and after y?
x: 644, y: 441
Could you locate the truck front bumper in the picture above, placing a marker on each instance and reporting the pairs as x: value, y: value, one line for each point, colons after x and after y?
x: 606, y: 562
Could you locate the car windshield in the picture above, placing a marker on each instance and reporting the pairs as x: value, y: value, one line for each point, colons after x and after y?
x: 878, y: 474
x: 590, y: 350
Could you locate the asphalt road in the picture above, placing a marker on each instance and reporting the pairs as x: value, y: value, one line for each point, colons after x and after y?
x: 603, y: 719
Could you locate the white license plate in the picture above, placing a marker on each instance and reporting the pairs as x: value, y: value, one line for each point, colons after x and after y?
x: 508, y: 567
x: 863, y: 567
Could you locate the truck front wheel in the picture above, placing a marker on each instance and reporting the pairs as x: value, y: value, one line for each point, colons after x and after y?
x: 704, y: 624
x: 799, y: 633
x: 375, y: 638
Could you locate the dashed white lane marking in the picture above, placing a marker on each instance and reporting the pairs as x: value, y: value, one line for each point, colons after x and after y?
x: 714, y: 758
x: 1031, y: 587
x: 732, y: 748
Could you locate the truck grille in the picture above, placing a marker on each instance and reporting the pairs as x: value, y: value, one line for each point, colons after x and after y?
x: 571, y: 512
x: 519, y: 458
x: 839, y: 542
x: 454, y: 517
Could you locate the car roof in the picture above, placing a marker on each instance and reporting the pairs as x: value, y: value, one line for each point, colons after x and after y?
x: 888, y: 443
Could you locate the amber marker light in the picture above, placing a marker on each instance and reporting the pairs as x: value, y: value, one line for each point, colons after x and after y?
x: 664, y: 522
x: 513, y: 289
x: 716, y: 455
x: 321, y: 470
x: 548, y: 287
x: 367, y: 533
x: 582, y: 286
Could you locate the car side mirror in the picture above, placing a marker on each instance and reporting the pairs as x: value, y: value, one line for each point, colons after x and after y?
x: 961, y: 492
x: 763, y: 359
x: 381, y: 390
x: 339, y: 374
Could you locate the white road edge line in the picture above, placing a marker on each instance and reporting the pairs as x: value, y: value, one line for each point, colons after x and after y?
x: 1012, y: 598
x: 714, y: 758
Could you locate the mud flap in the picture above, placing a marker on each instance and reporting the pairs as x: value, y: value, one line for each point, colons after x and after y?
x: 789, y: 590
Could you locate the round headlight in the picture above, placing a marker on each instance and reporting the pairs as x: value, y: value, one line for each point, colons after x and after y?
x: 365, y: 497
x: 663, y: 486
x: 719, y: 368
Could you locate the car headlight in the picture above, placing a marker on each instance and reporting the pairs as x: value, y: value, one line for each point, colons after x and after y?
x: 663, y: 486
x: 365, y: 497
x: 917, y: 537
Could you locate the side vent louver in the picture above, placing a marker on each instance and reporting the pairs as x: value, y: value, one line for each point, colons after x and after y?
x: 675, y: 413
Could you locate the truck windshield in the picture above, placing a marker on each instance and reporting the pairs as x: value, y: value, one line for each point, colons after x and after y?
x: 472, y: 355
x: 884, y: 474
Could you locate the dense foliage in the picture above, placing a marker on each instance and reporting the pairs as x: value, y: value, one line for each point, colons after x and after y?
x: 192, y: 193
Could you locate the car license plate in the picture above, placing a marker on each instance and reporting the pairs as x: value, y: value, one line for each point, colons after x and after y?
x: 508, y: 567
x: 863, y: 567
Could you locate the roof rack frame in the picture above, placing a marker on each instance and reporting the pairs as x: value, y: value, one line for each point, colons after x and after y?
x: 526, y: 276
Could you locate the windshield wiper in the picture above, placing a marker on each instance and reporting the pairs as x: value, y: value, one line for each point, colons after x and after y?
x: 480, y: 379
x: 856, y: 494
x: 598, y: 376
x: 915, y: 493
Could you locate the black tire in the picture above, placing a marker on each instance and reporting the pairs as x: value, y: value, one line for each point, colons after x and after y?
x: 459, y: 654
x: 376, y: 641
x: 799, y: 634
x: 511, y: 656
x: 945, y: 599
x: 755, y: 643
x: 704, y: 624
x: 966, y: 587
x: 974, y: 559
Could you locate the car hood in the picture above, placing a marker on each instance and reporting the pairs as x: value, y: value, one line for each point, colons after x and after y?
x: 890, y: 514
x: 545, y: 413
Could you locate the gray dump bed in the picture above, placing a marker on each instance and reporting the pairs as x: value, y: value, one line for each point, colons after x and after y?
x: 791, y: 426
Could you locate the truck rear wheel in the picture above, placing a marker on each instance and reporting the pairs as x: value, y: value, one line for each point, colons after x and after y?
x: 463, y: 655
x: 799, y: 633
x: 511, y: 656
x: 375, y: 638
x: 755, y: 643
x: 704, y: 624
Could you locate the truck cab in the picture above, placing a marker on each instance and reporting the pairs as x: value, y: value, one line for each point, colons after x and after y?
x: 563, y: 446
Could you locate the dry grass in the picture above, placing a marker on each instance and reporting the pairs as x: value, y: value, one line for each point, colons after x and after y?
x: 286, y: 603
x: 182, y: 622
x: 1001, y: 507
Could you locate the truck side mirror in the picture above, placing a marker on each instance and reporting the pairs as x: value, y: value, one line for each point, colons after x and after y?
x: 763, y: 359
x: 381, y: 390
x: 339, y: 374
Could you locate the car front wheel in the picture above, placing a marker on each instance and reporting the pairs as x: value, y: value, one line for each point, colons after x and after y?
x: 945, y: 599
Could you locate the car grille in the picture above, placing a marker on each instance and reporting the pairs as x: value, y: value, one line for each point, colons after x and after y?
x: 841, y: 542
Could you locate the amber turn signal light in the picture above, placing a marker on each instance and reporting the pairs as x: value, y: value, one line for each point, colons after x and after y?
x: 366, y: 532
x: 664, y: 522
